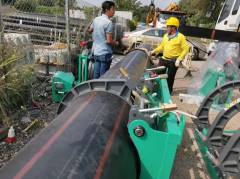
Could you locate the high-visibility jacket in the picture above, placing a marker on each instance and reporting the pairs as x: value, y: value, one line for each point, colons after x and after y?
x: 175, y: 46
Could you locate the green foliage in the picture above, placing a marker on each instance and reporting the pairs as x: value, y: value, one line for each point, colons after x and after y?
x: 126, y: 5
x: 42, y: 6
x: 197, y: 10
x: 15, y: 78
x: 131, y: 24
x: 48, y: 3
x: 61, y: 3
x: 50, y: 10
x: 141, y: 14
x: 51, y: 3
x: 26, y: 5
x: 134, y: 6
x: 89, y: 11
x: 209, y: 26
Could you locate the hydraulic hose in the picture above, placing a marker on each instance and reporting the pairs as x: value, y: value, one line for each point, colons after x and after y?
x: 197, y: 47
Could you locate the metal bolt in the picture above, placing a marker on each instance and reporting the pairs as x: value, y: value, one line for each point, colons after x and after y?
x: 139, y: 131
x: 211, y: 158
x: 216, y: 153
x: 200, y: 128
x: 201, y: 135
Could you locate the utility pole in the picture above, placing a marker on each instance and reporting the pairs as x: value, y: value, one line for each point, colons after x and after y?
x: 1, y: 20
x: 68, y: 34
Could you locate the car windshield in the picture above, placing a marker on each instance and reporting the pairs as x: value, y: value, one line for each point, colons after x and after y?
x: 226, y: 10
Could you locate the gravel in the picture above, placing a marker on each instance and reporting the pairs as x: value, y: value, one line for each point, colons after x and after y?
x: 8, y: 150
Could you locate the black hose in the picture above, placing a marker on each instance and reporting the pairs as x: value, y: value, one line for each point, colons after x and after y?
x: 34, y: 111
x: 47, y: 80
x: 197, y: 47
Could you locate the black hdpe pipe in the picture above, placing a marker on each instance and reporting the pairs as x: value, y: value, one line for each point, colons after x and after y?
x: 88, y: 140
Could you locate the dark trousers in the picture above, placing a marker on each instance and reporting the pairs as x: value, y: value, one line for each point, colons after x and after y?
x: 103, y: 64
x: 172, y: 70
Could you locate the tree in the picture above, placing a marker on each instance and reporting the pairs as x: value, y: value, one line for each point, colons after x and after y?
x: 197, y: 10
x: 125, y: 5
x: 141, y: 14
x: 26, y: 5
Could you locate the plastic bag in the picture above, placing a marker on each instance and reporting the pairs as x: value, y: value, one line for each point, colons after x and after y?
x: 220, y: 67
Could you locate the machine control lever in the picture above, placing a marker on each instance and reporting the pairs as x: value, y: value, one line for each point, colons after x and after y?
x: 167, y: 107
x: 165, y: 76
x: 124, y: 73
x: 158, y: 68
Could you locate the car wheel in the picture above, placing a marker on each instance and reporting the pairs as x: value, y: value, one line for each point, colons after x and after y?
x: 195, y: 54
x: 137, y: 44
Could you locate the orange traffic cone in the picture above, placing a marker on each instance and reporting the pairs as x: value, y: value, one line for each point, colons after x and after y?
x: 11, y: 136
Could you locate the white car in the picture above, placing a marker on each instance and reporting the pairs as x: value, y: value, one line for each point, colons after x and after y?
x: 136, y: 37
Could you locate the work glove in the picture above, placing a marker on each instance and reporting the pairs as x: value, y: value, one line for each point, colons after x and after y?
x: 177, y: 63
x: 150, y: 53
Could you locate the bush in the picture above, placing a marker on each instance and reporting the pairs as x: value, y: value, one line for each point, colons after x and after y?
x: 15, y: 78
x: 48, y: 3
x: 51, y: 3
x: 26, y: 5
x: 132, y: 25
x: 209, y: 26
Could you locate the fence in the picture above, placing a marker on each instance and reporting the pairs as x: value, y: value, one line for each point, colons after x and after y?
x: 54, y: 35
x: 44, y: 31
x: 119, y: 26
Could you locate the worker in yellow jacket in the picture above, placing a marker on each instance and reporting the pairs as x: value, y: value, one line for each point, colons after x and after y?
x: 175, y: 49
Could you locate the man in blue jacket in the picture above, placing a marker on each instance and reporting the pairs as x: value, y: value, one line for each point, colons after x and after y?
x: 102, y: 29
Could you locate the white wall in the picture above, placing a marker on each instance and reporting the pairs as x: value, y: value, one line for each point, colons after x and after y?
x: 77, y: 14
x: 124, y: 14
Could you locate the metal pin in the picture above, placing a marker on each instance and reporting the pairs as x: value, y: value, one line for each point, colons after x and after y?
x: 216, y: 154
x: 211, y: 158
x: 201, y: 135
x: 149, y: 109
x: 153, y: 115
x: 142, y: 104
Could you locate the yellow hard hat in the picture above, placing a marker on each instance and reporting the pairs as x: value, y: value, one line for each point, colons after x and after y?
x: 173, y: 21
